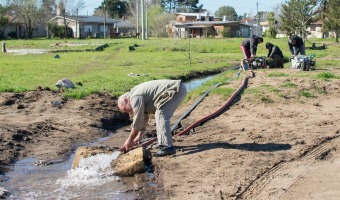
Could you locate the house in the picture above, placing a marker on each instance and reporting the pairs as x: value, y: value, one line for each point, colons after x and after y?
x: 256, y: 28
x: 314, y: 30
x: 17, y: 29
x: 203, y: 25
x: 88, y: 26
x: 125, y: 28
x: 265, y: 26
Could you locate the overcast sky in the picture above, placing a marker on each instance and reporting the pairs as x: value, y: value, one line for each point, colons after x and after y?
x: 241, y: 6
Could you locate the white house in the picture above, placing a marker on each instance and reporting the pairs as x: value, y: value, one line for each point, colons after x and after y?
x: 85, y: 26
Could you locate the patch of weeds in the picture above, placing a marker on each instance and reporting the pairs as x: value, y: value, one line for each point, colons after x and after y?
x: 274, y: 89
x: 325, y: 76
x: 281, y: 74
x: 307, y: 94
x: 270, y: 88
x: 252, y: 91
x: 318, y: 89
x: 259, y: 93
x: 225, y: 92
x: 289, y: 85
x: 125, y: 64
x: 265, y: 99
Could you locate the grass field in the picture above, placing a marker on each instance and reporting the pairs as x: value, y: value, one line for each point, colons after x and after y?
x: 107, y: 70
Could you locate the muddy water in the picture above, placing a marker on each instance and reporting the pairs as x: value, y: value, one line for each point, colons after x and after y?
x: 93, y: 179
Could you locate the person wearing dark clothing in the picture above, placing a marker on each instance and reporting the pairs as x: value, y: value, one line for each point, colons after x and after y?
x: 249, y: 46
x: 296, y: 45
x: 274, y: 53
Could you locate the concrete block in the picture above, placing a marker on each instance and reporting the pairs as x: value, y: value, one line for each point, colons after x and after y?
x: 87, y: 151
x: 130, y: 163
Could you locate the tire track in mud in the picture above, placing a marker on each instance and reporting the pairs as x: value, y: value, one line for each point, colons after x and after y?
x: 275, y: 182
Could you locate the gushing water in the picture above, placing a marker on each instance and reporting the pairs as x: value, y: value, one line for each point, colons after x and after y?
x: 93, y: 179
x: 94, y: 170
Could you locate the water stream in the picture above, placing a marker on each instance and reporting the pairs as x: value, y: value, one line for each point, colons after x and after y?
x: 93, y: 179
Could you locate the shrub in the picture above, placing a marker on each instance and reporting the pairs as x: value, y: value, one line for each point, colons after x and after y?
x: 12, y: 34
x: 226, y: 32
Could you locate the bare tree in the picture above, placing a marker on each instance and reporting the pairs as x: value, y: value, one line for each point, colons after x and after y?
x: 7, y: 15
x: 69, y: 8
x: 31, y: 13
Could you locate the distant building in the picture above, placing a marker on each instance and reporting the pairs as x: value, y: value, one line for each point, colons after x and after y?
x: 256, y: 28
x: 88, y: 26
x: 203, y: 25
x: 314, y: 30
x: 17, y: 29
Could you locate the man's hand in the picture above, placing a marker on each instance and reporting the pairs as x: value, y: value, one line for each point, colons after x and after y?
x: 138, y: 138
x: 127, y: 146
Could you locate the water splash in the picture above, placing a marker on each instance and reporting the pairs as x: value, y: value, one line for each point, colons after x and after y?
x: 92, y: 171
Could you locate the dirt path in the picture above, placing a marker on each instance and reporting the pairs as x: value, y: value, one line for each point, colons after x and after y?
x: 272, y: 143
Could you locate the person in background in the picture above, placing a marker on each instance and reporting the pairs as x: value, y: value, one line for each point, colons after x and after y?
x: 159, y: 97
x: 296, y: 45
x: 274, y: 53
x: 249, y: 46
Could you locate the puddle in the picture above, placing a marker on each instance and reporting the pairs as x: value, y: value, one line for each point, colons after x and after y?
x: 93, y: 179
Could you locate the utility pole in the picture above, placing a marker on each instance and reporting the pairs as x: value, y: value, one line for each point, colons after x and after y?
x: 257, y: 16
x: 104, y: 19
x: 146, y: 20
x: 137, y: 9
x: 77, y: 24
x: 143, y: 20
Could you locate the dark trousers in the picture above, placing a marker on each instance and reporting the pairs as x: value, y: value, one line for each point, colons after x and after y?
x: 277, y: 62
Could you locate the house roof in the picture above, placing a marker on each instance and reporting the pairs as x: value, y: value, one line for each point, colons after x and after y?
x: 266, y: 23
x: 195, y: 14
x: 125, y: 23
x: 208, y: 23
x: 245, y: 20
x: 89, y: 19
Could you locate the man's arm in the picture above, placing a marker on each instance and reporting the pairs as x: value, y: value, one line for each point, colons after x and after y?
x: 272, y: 52
x: 291, y: 49
x: 137, y: 104
x: 129, y: 143
x: 253, y: 47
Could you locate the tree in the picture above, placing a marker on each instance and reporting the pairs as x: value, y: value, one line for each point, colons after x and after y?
x: 332, y: 17
x: 158, y: 21
x: 189, y: 6
x: 261, y: 16
x: 31, y: 12
x: 227, y: 11
x: 181, y: 5
x: 272, y: 22
x: 114, y: 8
x: 296, y: 15
x: 6, y: 17
x: 69, y: 6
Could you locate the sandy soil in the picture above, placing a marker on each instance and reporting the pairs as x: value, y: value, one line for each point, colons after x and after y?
x: 271, y: 143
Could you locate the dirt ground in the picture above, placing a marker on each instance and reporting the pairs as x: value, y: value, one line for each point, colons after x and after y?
x: 271, y: 143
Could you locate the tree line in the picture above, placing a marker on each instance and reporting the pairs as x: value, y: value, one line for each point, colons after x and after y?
x: 291, y: 16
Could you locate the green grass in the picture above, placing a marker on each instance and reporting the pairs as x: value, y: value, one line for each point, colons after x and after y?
x: 307, y: 94
x: 108, y: 70
x: 325, y: 76
x: 289, y: 85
